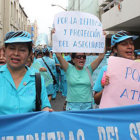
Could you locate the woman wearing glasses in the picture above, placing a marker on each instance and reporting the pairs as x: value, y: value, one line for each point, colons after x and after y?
x: 79, y: 93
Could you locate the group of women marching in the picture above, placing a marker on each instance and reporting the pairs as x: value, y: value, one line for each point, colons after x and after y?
x: 65, y: 73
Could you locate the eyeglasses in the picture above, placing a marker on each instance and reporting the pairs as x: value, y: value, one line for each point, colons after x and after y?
x: 80, y: 56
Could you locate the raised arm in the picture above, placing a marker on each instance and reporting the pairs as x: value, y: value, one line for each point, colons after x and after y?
x: 97, y: 97
x: 97, y: 61
x: 62, y: 61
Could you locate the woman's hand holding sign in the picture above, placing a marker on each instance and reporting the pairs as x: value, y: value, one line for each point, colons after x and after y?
x: 105, y: 80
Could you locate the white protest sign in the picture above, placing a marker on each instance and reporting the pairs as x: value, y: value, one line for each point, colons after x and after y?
x: 78, y: 32
x: 124, y: 87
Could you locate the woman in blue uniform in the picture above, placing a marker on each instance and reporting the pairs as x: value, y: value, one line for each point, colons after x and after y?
x: 51, y: 64
x: 17, y: 85
x: 122, y: 44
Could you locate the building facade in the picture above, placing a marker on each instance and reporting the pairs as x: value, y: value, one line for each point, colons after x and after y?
x: 89, y: 6
x: 121, y: 15
x: 34, y: 31
x: 12, y: 17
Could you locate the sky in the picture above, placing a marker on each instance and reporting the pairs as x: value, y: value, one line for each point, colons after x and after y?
x: 42, y: 11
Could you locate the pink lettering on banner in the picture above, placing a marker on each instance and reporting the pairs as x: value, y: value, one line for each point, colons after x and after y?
x: 124, y: 87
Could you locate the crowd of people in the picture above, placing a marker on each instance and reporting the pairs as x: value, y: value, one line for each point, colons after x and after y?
x: 59, y: 72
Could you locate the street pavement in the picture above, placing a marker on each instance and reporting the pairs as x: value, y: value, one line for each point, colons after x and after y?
x: 58, y: 103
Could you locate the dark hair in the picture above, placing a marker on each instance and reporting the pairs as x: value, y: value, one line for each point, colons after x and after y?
x: 29, y: 47
x: 73, y: 55
x: 46, y: 53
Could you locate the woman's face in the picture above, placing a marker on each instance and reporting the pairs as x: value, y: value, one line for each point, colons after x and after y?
x: 16, y: 55
x: 79, y: 60
x: 125, y: 49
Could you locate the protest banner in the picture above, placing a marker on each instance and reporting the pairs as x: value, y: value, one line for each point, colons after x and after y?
x: 124, y: 87
x: 122, y: 123
x: 78, y: 32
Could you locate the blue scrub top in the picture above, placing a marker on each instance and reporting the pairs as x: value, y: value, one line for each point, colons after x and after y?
x: 97, y: 86
x: 50, y: 62
x: 55, y: 58
x: 22, y: 99
x: 67, y: 57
